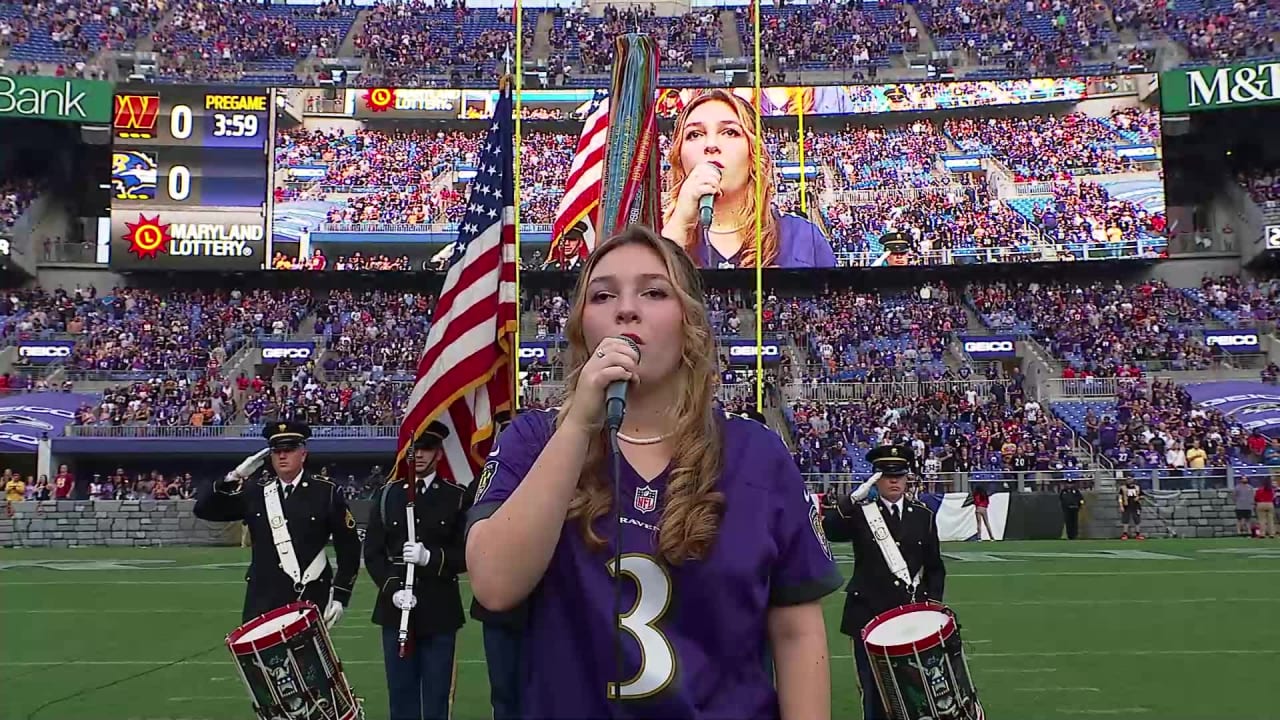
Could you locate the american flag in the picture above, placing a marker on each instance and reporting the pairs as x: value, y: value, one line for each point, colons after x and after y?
x: 581, y: 199
x: 464, y: 378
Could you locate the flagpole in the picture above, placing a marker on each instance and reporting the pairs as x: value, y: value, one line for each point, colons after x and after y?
x: 519, y: 105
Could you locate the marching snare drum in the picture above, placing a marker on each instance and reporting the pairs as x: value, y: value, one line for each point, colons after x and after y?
x: 289, y: 668
x: 918, y: 662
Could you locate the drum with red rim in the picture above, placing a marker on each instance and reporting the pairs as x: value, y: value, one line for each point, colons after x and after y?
x: 289, y: 668
x: 919, y: 666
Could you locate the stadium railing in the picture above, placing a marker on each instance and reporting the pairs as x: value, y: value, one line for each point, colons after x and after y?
x: 443, y: 228
x: 844, y: 392
x: 1149, y: 247
x: 551, y: 393
x: 1094, y: 387
x: 223, y: 431
x: 192, y: 375
x: 1155, y: 479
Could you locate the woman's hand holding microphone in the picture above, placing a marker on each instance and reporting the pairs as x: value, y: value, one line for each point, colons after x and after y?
x: 613, y: 359
x: 704, y: 179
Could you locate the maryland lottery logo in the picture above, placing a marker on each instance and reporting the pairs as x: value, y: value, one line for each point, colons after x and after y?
x: 380, y: 99
x: 147, y: 237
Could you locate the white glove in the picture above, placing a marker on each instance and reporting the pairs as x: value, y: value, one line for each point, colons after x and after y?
x: 864, y: 489
x: 404, y: 599
x: 333, y: 614
x: 416, y: 553
x: 250, y: 464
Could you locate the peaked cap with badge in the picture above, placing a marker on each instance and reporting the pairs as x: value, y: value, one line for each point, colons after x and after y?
x: 892, y: 460
x: 286, y: 434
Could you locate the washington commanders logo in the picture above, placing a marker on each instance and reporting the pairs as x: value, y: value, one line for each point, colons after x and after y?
x: 147, y: 237
x: 380, y: 99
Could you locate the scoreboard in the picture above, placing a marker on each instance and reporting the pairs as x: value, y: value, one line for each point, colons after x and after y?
x: 189, y: 173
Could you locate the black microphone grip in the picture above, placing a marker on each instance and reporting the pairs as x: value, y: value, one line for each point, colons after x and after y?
x: 615, y: 396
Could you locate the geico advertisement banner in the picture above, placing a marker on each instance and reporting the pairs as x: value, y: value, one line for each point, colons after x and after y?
x: 540, y: 352
x: 743, y: 352
x: 990, y: 347
x: 46, y: 352
x: 164, y: 239
x: 1233, y: 341
x: 285, y: 351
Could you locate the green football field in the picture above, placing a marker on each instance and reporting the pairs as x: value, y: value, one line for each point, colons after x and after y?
x: 1159, y: 630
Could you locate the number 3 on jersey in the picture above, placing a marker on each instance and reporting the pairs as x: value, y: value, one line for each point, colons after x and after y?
x: 657, y: 657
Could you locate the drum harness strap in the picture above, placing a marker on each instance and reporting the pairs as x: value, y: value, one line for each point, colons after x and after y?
x: 889, y: 548
x: 284, y: 543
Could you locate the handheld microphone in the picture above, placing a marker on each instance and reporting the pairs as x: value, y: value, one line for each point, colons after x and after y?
x: 615, y: 397
x: 615, y: 405
x: 706, y: 203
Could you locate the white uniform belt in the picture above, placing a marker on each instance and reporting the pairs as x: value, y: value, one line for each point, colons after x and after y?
x: 889, y: 548
x: 284, y: 543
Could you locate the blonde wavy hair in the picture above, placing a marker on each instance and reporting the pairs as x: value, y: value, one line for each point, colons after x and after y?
x: 760, y: 171
x: 692, y: 507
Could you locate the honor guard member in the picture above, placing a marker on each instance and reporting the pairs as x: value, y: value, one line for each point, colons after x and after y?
x: 503, y: 631
x: 291, y: 515
x: 420, y: 684
x: 897, y: 556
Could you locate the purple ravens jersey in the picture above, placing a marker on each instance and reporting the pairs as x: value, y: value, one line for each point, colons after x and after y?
x: 694, y: 639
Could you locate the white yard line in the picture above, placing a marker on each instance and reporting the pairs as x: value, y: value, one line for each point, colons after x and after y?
x: 1059, y: 653
x: 1057, y: 689
x: 1109, y: 711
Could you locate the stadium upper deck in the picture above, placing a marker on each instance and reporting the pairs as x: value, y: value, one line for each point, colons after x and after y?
x: 421, y: 42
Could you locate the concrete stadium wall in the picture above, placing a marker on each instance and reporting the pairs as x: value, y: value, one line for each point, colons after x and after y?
x: 1187, y: 513
x: 145, y: 523
x: 129, y: 523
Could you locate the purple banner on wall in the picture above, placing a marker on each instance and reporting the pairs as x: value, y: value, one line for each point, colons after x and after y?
x: 25, y: 418
x: 990, y: 347
x: 46, y: 352
x: 1253, y: 405
x: 743, y: 352
x: 1233, y: 341
x: 540, y: 351
x: 294, y: 351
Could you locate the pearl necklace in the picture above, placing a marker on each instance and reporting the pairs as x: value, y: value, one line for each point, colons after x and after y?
x: 643, y: 441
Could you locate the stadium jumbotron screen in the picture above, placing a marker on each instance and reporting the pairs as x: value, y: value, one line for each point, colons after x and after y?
x: 1035, y: 170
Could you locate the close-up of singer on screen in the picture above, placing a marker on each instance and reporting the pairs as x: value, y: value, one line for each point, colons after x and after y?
x: 698, y: 522
x: 711, y: 201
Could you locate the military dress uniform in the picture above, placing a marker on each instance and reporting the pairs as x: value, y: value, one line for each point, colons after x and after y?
x: 873, y: 589
x: 421, y: 684
x: 314, y: 512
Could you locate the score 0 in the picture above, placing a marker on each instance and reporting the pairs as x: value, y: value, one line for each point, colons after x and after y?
x: 181, y: 123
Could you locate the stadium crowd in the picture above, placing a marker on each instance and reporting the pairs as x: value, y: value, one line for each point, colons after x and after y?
x: 849, y: 336
x: 591, y: 38
x: 1103, y: 329
x: 369, y: 402
x: 1042, y: 147
x: 416, y: 37
x: 373, y: 335
x: 952, y: 431
x: 15, y: 196
x: 217, y: 40
x: 832, y: 34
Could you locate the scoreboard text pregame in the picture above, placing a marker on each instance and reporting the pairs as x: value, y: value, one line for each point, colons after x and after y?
x: 189, y: 178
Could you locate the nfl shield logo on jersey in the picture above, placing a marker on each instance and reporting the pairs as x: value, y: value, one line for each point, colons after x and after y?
x: 646, y: 499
